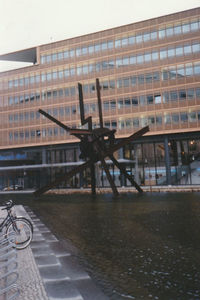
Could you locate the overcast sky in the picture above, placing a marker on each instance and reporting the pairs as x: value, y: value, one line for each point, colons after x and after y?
x: 27, y: 23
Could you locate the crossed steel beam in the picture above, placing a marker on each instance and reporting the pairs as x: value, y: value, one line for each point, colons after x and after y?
x: 94, y: 147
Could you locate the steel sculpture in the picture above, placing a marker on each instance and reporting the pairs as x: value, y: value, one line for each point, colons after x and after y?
x: 95, y: 145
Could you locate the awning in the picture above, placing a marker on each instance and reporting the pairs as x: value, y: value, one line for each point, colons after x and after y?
x: 27, y: 55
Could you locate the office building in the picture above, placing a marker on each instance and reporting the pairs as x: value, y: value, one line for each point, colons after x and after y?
x: 149, y: 73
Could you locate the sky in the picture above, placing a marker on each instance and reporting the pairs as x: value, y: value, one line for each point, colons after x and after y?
x: 28, y: 23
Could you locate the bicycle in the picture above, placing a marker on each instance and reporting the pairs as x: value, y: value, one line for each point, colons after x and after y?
x: 21, y: 226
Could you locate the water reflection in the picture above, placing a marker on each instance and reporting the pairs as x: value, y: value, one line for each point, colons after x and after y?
x: 136, y: 247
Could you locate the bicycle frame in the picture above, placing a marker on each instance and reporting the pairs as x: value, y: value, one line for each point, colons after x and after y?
x: 9, y: 218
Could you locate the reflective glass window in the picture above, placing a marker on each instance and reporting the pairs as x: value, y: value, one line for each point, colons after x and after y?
x: 66, y: 73
x: 172, y: 73
x: 136, y: 122
x: 125, y: 61
x: 48, y: 58
x: 133, y: 80
x: 197, y: 69
x: 119, y: 83
x: 157, y: 99
x: 175, y: 118
x: 173, y: 95
x: 142, y: 100
x: 156, y: 76
x: 183, y: 117
x: 154, y: 35
x: 141, y: 79
x: 149, y: 99
x: 169, y: 31
x: 140, y: 59
x: 167, y: 119
x: 186, y: 28
x: 161, y: 34
x: 66, y: 54
x: 163, y: 54
x: 148, y: 78
x: 182, y: 95
x: 126, y: 82
x: 139, y: 38
x: 72, y: 53
x: 194, y: 26
x: 91, y: 49
x: 190, y: 94
x: 78, y: 51
x: 132, y: 60
x: 147, y: 57
x: 84, y: 50
x: 110, y: 44
x: 113, y: 104
x: 60, y: 74
x: 134, y: 101
x: 72, y: 71
x: 146, y: 37
x: 131, y: 40
x: 171, y: 52
x: 187, y: 49
x: 192, y: 116
x: 118, y: 62
x: 179, y: 51
x: 127, y: 102
x: 117, y: 43
x: 85, y: 69
x: 124, y: 42
x: 104, y: 46
x: 120, y: 103
x: 128, y: 123
x: 159, y: 120
x: 189, y: 70
x: 48, y: 76
x: 60, y: 55
x: 54, y: 75
x: 178, y: 29
x: 196, y: 48
x: 197, y: 92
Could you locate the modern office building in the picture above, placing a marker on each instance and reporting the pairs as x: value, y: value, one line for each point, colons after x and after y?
x: 149, y: 73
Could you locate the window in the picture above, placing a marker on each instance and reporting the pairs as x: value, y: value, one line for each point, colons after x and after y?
x: 135, y: 122
x: 194, y: 26
x: 192, y: 116
x: 117, y: 43
x: 186, y: 28
x: 154, y: 55
x: 106, y: 105
x: 157, y: 99
x: 197, y: 69
x: 84, y: 50
x: 179, y: 51
x: 167, y: 119
x: 154, y: 35
x: 124, y: 42
x: 146, y: 37
x: 131, y: 40
x: 178, y: 29
x: 113, y: 104
x: 182, y: 95
x: 127, y: 102
x: 91, y: 49
x: 150, y: 99
x: 148, y: 78
x: 158, y: 120
x: 189, y: 70
x: 171, y: 52
x: 190, y: 94
x: 110, y: 44
x: 163, y: 54
x: 196, y: 48
x: 169, y: 31
x: 175, y: 118
x: 132, y: 60
x: 142, y: 100
x: 60, y: 55
x: 141, y: 79
x: 140, y: 59
x: 66, y: 54
x: 165, y: 97
x: 134, y: 101
x: 72, y: 53
x: 126, y: 82
x: 161, y: 33
x: 187, y: 49
x: 147, y: 57
x: 120, y: 103
x: 78, y: 51
x: 139, y: 38
x: 133, y: 80
x: 173, y: 95
x: 184, y: 117
x: 97, y: 47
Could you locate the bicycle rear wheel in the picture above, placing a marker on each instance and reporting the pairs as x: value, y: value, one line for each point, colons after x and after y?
x: 23, y: 230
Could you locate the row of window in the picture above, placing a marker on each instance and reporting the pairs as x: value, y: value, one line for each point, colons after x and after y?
x: 85, y: 69
x: 126, y: 102
x: 122, y: 42
x: 174, y: 72
x: 165, y: 119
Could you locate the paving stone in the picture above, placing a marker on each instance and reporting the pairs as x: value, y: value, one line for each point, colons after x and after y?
x: 59, y: 249
x: 42, y: 251
x: 47, y: 260
x: 62, y: 290
x: 54, y: 273
x: 48, y: 236
x: 74, y: 270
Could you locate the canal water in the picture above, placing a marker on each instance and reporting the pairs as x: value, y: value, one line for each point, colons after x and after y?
x: 135, y: 246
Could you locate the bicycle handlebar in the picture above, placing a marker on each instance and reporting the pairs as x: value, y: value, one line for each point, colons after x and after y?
x: 8, y: 204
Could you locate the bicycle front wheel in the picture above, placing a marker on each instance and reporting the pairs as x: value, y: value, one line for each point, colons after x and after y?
x: 23, y: 230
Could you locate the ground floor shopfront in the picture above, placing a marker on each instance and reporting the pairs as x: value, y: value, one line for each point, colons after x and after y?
x: 155, y: 160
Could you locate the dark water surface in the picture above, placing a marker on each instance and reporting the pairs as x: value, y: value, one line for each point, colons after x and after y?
x: 136, y: 247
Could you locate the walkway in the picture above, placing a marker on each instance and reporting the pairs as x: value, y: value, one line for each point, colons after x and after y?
x: 49, y: 270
